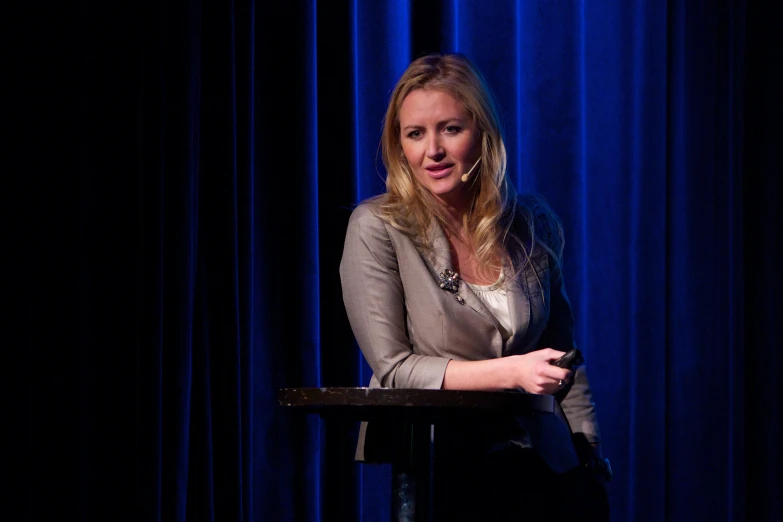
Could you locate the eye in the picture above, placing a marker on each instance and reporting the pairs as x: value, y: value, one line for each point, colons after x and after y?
x: 452, y: 129
x: 414, y: 134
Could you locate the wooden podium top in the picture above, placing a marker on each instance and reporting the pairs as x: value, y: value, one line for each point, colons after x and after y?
x: 366, y: 403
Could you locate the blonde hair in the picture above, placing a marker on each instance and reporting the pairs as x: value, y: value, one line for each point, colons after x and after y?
x: 410, y: 208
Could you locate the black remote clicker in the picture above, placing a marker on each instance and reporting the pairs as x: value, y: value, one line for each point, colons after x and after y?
x: 570, y: 359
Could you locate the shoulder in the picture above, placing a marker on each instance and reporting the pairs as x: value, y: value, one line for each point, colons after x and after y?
x: 366, y: 223
x: 536, y: 224
x: 367, y: 209
x: 368, y: 234
x: 366, y: 216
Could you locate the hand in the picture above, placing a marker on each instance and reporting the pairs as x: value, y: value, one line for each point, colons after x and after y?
x: 534, y: 374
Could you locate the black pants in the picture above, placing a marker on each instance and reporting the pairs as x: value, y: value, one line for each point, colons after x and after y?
x: 515, y: 485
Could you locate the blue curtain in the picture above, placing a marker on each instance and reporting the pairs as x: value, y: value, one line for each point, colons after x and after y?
x: 228, y: 142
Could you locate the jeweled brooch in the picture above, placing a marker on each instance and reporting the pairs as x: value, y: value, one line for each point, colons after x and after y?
x: 449, y: 281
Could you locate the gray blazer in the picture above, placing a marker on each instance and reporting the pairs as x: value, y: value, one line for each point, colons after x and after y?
x: 408, y: 328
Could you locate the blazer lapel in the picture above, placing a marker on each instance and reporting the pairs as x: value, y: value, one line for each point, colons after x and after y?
x: 439, y: 259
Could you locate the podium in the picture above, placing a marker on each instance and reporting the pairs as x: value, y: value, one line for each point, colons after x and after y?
x: 417, y: 413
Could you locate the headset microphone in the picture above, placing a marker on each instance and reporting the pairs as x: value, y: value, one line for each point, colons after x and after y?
x: 466, y: 176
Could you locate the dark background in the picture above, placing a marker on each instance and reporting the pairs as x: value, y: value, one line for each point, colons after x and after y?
x: 221, y: 148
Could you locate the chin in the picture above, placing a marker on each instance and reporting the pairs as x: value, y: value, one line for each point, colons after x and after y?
x: 451, y: 193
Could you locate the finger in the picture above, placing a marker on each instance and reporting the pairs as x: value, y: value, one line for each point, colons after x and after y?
x: 555, y: 373
x: 563, y: 380
x: 550, y: 354
x: 553, y: 388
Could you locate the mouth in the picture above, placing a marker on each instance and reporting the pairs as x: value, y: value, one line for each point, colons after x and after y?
x: 439, y: 170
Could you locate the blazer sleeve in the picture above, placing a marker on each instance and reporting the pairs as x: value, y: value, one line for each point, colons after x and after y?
x: 374, y: 298
x: 577, y: 404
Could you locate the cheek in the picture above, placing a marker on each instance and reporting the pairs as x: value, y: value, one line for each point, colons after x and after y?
x: 468, y: 149
x: 410, y: 154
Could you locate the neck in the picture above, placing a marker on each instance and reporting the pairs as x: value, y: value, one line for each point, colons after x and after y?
x: 454, y: 228
x: 454, y: 214
x: 455, y: 205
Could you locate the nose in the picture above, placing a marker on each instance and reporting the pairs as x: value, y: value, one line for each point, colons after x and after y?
x: 434, y: 149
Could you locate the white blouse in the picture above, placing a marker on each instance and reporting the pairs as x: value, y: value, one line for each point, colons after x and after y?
x: 495, y: 298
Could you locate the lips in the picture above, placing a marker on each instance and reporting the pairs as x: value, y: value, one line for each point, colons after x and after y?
x: 439, y: 170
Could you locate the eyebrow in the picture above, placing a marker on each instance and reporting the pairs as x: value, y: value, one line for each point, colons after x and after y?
x: 440, y: 123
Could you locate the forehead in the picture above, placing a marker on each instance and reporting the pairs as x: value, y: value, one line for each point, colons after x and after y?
x: 423, y: 105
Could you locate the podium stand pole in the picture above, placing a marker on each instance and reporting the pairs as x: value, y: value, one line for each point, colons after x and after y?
x: 414, y: 474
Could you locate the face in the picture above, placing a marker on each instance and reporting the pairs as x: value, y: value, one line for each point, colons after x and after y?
x: 441, y: 143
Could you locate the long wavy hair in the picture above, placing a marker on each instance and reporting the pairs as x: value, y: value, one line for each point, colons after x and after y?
x: 489, y: 221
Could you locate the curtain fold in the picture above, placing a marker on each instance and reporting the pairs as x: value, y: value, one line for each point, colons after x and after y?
x: 229, y: 142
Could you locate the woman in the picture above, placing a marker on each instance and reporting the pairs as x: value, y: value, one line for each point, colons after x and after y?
x: 449, y: 282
